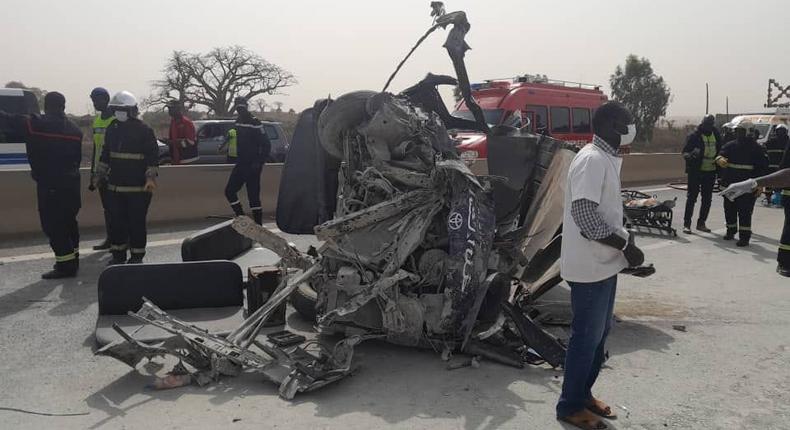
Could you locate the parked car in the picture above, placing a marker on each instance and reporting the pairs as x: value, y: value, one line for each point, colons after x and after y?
x: 211, y: 135
x: 12, y: 148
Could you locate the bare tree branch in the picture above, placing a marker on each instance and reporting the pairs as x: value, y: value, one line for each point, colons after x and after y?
x: 214, y: 79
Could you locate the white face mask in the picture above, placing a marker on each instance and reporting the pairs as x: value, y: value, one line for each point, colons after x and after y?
x: 627, y: 139
x: 121, y: 115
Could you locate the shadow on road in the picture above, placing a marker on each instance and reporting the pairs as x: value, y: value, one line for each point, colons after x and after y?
x: 76, y: 294
x: 393, y: 383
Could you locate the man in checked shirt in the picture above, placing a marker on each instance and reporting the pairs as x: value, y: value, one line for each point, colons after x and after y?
x: 595, y: 248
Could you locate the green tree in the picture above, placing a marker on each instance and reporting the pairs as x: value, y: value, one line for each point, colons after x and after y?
x: 38, y: 92
x: 643, y: 92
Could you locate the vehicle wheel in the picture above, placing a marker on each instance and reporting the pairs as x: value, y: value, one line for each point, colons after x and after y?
x: 304, y: 300
x: 345, y: 113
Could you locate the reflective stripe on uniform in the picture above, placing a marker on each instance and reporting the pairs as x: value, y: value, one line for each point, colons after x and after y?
x: 64, y: 258
x: 776, y: 151
x: 118, y: 247
x: 137, y: 250
x: 125, y: 189
x: 783, y: 247
x: 741, y: 166
x: 248, y: 125
x: 786, y: 192
x: 127, y: 155
x: 743, y: 228
x: 773, y: 166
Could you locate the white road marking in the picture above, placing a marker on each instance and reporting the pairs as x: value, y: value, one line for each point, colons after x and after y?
x: 89, y: 251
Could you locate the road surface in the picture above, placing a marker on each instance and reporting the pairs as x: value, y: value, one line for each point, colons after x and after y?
x: 729, y: 369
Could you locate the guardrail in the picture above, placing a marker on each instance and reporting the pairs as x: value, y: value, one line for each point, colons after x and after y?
x: 196, y: 191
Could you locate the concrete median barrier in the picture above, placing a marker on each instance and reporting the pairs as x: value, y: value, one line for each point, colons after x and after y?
x: 183, y: 193
x: 196, y: 191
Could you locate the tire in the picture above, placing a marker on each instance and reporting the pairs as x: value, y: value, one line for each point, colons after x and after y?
x: 304, y: 300
x: 345, y: 113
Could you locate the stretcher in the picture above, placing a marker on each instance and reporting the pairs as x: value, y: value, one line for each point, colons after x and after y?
x: 645, y: 211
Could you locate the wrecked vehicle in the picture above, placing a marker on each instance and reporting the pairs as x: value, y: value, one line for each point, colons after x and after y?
x: 417, y: 250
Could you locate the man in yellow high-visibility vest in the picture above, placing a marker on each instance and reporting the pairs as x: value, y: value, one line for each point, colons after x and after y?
x: 702, y: 148
x: 101, y: 98
x: 232, y: 145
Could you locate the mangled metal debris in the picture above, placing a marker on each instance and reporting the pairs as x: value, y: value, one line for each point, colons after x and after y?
x: 420, y: 251
x: 208, y: 357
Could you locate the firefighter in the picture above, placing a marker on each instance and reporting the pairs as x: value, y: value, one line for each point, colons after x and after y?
x: 54, y: 149
x: 183, y: 143
x: 128, y: 166
x: 775, y: 147
x: 783, y: 257
x: 252, y: 147
x: 101, y: 98
x: 779, y: 179
x: 741, y: 159
x: 702, y: 148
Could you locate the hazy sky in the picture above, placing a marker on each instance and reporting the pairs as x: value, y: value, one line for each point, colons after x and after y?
x: 342, y: 45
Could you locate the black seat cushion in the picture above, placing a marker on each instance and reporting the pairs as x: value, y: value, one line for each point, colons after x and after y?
x: 218, y: 242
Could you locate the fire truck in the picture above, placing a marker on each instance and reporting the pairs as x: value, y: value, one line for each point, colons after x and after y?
x: 560, y: 109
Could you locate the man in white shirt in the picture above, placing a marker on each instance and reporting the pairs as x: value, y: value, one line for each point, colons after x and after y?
x: 595, y: 248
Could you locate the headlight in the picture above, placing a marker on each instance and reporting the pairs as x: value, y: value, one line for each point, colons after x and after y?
x: 469, y: 155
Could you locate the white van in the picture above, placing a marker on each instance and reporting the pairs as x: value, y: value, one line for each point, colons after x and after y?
x: 13, y: 155
x: 764, y: 123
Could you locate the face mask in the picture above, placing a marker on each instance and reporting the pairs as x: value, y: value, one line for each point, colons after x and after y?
x: 121, y: 115
x: 627, y: 139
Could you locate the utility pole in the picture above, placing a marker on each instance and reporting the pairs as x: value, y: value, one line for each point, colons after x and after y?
x: 707, y: 99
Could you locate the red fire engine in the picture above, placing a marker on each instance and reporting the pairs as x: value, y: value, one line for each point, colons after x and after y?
x: 560, y: 109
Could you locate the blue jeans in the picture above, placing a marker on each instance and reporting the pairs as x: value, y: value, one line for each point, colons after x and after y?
x: 592, y: 304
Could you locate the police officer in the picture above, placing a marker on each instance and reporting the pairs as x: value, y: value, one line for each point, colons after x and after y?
x: 741, y: 159
x: 702, y: 148
x: 128, y: 165
x: 775, y: 147
x: 101, y: 98
x: 54, y: 150
x: 253, y: 148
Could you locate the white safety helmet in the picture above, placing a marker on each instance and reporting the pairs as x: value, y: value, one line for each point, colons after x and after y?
x: 124, y: 105
x: 123, y: 99
x: 745, y: 124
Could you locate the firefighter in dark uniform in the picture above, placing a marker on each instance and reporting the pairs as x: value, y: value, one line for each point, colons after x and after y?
x: 252, y: 149
x: 54, y: 149
x: 101, y: 98
x: 775, y: 147
x: 783, y: 258
x: 129, y: 167
x: 702, y: 148
x: 740, y: 160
